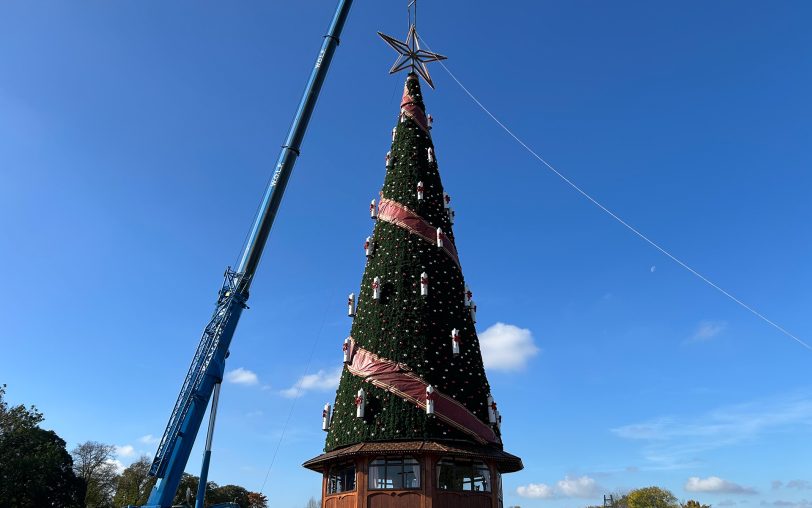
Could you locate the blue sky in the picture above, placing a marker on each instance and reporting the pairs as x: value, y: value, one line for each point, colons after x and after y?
x: 136, y: 139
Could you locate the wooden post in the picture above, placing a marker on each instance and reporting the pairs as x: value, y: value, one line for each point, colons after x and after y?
x: 324, y: 477
x: 495, y: 486
x: 361, y: 481
x: 429, y: 481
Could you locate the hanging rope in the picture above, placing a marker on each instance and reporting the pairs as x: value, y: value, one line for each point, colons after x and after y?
x: 293, y: 402
x: 616, y: 217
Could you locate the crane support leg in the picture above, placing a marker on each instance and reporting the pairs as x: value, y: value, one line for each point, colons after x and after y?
x: 204, y: 469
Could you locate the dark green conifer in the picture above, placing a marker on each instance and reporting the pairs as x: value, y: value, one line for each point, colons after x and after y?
x: 402, y: 325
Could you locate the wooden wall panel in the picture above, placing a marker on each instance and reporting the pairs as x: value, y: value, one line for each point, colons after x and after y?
x: 397, y: 499
x: 348, y: 500
x: 463, y: 500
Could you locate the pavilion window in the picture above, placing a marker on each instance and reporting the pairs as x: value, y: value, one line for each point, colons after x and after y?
x: 341, y: 478
x: 394, y: 473
x: 463, y: 475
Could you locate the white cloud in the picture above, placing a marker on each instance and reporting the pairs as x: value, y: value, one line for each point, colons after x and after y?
x: 716, y: 484
x: 320, y: 381
x: 708, y: 330
x: 536, y: 491
x: 671, y: 441
x: 507, y: 347
x: 242, y: 376
x: 117, y: 464
x: 125, y: 451
x: 577, y: 487
x: 583, y: 487
x: 148, y: 439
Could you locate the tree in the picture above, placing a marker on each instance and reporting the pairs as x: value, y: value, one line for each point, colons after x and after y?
x: 312, y: 503
x: 93, y: 462
x: 257, y: 500
x: 695, y: 504
x: 216, y: 494
x: 17, y: 417
x: 134, y: 484
x: 228, y: 494
x: 188, y: 485
x: 35, y: 468
x: 652, y: 497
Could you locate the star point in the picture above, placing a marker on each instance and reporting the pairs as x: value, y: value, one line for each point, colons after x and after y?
x: 411, y: 56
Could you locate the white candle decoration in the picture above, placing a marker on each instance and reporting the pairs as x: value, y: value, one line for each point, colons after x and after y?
x: 473, y: 311
x: 388, y: 159
x: 373, y: 211
x: 431, y: 154
x: 369, y: 246
x: 325, y: 418
x: 420, y: 191
x: 351, y: 305
x: 360, y: 403
x: 424, y: 284
x: 467, y: 295
x: 455, y: 342
x: 346, y: 348
x: 491, y: 409
x: 439, y: 238
x: 451, y: 215
x: 376, y: 288
x: 430, y: 120
x: 446, y: 199
x: 394, y: 131
x: 429, y: 400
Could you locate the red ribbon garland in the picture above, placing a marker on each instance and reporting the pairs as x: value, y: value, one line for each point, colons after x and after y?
x: 397, y: 378
x: 413, y: 111
x: 397, y: 214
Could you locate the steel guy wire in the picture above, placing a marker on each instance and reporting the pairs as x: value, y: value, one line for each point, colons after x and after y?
x: 615, y: 216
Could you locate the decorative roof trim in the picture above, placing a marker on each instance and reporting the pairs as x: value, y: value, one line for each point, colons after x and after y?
x: 505, y: 462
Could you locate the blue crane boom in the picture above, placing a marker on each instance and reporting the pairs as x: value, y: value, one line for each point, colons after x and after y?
x: 206, y: 371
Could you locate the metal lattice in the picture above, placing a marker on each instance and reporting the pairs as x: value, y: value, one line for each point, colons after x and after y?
x: 228, y: 298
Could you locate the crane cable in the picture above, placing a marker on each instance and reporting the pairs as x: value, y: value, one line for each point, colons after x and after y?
x: 615, y: 216
x: 293, y: 402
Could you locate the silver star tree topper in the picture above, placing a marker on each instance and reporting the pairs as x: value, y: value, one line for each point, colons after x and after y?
x: 410, y: 56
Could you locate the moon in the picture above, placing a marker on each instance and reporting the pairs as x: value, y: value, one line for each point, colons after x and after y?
x: 653, y: 268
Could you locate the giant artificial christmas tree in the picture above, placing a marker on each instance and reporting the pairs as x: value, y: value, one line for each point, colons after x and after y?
x: 414, y: 423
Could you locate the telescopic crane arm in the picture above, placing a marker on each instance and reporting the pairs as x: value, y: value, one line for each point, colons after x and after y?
x: 208, y: 364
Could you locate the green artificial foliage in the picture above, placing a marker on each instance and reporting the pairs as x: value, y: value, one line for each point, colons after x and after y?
x: 404, y: 326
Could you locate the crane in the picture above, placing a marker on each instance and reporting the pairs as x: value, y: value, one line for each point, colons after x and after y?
x: 202, y: 381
